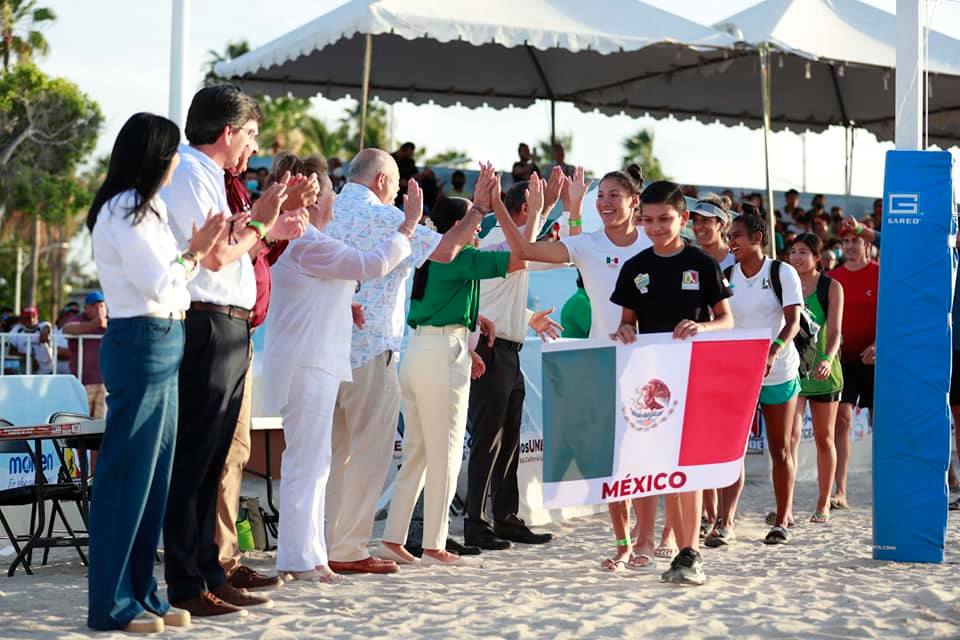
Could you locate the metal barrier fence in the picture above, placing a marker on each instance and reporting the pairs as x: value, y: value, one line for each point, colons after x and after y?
x: 26, y: 344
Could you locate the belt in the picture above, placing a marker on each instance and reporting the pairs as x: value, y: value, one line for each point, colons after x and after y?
x: 171, y: 315
x: 231, y: 311
x: 457, y: 330
x: 509, y: 345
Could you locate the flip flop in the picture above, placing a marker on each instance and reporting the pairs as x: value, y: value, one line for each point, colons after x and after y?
x: 777, y: 535
x: 836, y: 504
x: 613, y: 566
x: 720, y: 537
x: 820, y: 518
x: 665, y: 552
x: 641, y: 562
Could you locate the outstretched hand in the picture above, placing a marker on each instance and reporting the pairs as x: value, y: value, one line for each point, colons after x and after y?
x: 544, y: 325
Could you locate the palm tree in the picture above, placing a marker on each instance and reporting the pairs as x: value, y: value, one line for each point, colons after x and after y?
x: 376, y: 129
x: 638, y: 149
x: 21, y: 22
x: 233, y: 50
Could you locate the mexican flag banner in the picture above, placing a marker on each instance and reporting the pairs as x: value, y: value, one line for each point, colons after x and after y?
x: 657, y: 416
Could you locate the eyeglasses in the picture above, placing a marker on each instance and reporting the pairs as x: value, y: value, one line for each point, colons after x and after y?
x: 250, y: 131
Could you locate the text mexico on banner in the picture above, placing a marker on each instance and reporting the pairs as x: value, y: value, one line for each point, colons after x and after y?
x: 658, y: 416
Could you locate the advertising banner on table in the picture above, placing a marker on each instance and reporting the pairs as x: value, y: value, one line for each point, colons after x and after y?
x: 658, y: 416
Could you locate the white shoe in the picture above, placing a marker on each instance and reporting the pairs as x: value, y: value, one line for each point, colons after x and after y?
x: 175, y: 617
x: 146, y: 622
x: 386, y: 553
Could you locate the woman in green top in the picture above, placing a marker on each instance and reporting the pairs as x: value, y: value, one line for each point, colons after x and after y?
x: 435, y: 383
x: 822, y: 386
x: 575, y: 315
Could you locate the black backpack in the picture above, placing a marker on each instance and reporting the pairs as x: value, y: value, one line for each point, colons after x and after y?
x: 806, y: 339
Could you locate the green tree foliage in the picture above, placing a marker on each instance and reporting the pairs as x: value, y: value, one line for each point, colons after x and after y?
x: 455, y: 158
x: 544, y: 149
x: 21, y: 30
x: 638, y: 149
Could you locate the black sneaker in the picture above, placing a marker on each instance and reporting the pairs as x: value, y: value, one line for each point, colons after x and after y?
x: 486, y: 540
x: 686, y: 568
x: 463, y: 550
x: 955, y: 505
x: 515, y: 530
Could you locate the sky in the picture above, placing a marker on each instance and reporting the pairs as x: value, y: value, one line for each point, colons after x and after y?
x: 118, y: 52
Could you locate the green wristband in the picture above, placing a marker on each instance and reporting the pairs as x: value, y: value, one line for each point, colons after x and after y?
x: 574, y: 223
x: 779, y: 342
x: 259, y: 227
x: 623, y: 542
x: 826, y: 358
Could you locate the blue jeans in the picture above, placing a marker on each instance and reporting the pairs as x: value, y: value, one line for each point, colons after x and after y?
x: 139, y: 360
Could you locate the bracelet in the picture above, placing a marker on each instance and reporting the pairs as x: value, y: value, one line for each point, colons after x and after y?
x: 574, y: 223
x: 859, y: 230
x: 184, y: 257
x: 480, y: 209
x: 623, y: 542
x: 779, y: 342
x: 826, y: 358
x: 259, y: 227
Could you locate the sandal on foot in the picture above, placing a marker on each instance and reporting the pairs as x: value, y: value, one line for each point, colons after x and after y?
x: 820, y: 518
x: 838, y: 504
x: 612, y: 565
x: 720, y: 537
x: 641, y: 562
x: 705, y: 527
x: 777, y: 535
x: 954, y: 506
x: 665, y: 552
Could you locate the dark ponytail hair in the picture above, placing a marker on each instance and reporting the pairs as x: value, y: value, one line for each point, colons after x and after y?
x: 813, y: 242
x: 446, y: 213
x: 630, y: 178
x: 754, y: 223
x: 140, y: 159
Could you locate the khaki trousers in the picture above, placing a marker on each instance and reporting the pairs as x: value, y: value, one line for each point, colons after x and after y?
x: 364, y: 430
x: 435, y: 381
x: 228, y: 499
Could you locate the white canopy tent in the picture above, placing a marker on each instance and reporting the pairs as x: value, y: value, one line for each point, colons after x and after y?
x: 497, y: 53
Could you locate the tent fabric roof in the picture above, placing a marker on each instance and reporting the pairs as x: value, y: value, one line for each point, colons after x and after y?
x: 846, y: 31
x: 603, y: 26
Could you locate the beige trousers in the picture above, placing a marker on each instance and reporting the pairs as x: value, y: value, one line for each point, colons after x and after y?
x: 435, y: 382
x: 228, y: 500
x: 364, y: 432
x: 96, y: 399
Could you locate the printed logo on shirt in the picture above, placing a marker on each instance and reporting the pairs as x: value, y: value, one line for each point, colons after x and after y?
x: 642, y: 281
x: 691, y: 281
x: 613, y: 261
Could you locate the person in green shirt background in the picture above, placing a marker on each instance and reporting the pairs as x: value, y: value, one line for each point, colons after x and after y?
x: 575, y: 315
x: 823, y: 297
x: 435, y: 378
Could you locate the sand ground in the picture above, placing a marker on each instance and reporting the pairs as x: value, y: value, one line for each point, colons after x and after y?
x: 823, y: 585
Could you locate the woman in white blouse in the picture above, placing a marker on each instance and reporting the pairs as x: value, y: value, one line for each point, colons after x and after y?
x: 144, y: 279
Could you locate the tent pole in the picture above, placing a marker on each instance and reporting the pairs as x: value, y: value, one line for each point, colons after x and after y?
x: 367, y: 59
x: 764, y: 50
x: 553, y: 121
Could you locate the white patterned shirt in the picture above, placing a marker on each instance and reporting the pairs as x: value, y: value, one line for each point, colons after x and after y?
x: 361, y: 221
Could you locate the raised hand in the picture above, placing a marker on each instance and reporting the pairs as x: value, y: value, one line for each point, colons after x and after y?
x: 535, y: 195
x: 484, y: 182
x: 301, y: 192
x: 290, y: 226
x: 574, y: 190
x: 412, y: 207
x: 543, y: 324
x: 202, y: 240
x: 555, y: 182
x: 267, y: 208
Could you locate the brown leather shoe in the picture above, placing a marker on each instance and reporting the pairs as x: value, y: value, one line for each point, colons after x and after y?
x: 206, y: 605
x: 247, y: 578
x: 367, y: 565
x: 240, y: 597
